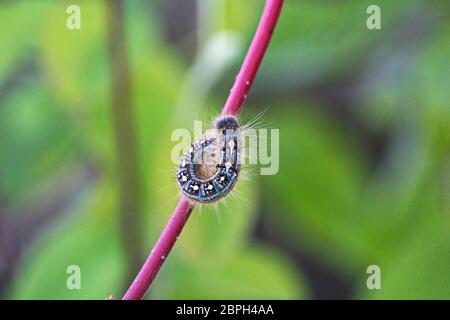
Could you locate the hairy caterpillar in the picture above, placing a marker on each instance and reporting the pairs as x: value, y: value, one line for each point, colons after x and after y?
x: 209, y: 170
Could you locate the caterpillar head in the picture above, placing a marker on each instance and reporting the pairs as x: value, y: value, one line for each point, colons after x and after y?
x: 227, y: 122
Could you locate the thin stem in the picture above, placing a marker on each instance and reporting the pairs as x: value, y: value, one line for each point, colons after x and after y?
x: 124, y: 138
x: 160, y: 252
x: 252, y: 61
x: 232, y: 106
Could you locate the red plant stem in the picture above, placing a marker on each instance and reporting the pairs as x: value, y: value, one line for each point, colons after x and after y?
x: 232, y: 106
x: 160, y: 252
x: 252, y: 61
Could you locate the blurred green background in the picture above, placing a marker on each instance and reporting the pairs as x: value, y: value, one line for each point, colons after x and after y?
x: 86, y: 179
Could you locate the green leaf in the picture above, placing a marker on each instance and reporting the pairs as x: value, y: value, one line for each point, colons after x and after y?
x: 322, y: 39
x: 37, y: 139
x: 315, y: 194
x: 88, y: 240
x: 22, y: 22
x: 252, y: 273
x: 421, y: 271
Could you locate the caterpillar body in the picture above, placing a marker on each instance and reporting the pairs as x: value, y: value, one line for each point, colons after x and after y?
x: 209, y: 170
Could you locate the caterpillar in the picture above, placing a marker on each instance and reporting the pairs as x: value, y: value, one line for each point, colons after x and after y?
x: 208, y: 171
